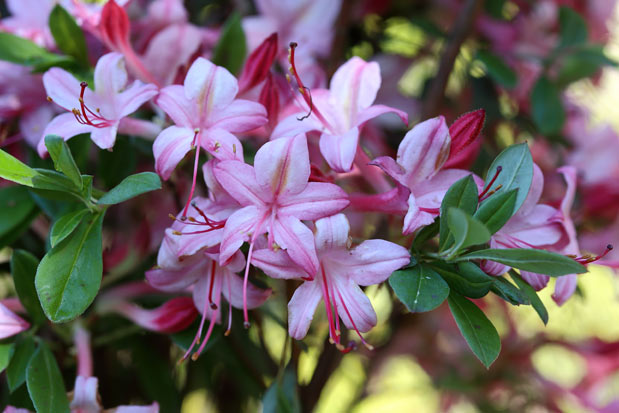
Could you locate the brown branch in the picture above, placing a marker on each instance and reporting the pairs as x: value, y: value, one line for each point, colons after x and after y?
x: 458, y: 35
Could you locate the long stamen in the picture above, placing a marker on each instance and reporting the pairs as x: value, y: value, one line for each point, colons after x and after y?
x: 210, y: 288
x: 196, y: 144
x: 335, y: 338
x: 304, y: 90
x: 496, y: 175
x: 367, y: 345
x: 195, y: 356
x: 588, y: 259
x: 245, y: 280
x: 229, y: 329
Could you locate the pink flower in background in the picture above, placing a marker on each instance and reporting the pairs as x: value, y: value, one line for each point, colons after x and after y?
x: 275, y: 196
x: 10, y: 323
x: 339, y: 113
x: 340, y: 273
x: 30, y: 19
x: 102, y: 112
x: 421, y: 156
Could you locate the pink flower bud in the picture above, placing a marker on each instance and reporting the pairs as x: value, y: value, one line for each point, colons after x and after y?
x: 173, y: 316
x: 464, y: 143
x: 10, y: 323
x: 114, y: 26
x: 258, y: 64
x: 269, y: 98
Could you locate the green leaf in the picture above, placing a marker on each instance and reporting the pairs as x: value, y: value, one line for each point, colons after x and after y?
x: 465, y: 278
x: 282, y: 395
x: 16, y: 372
x: 63, y: 160
x: 232, y: 46
x: 572, y: 28
x: 130, y: 187
x: 546, y: 107
x: 530, y: 292
x: 462, y: 194
x: 65, y: 226
x: 516, y: 172
x: 539, y: 261
x: 425, y: 234
x: 24, y: 268
x: 45, y: 384
x: 477, y: 330
x: 467, y: 231
x: 18, y: 50
x: 497, y: 69
x: 419, y: 288
x: 13, y: 169
x: 69, y: 275
x: 582, y: 63
x: 495, y: 211
x: 5, y: 355
x: 48, y: 180
x: 68, y: 36
x: 16, y: 206
x: 509, y: 292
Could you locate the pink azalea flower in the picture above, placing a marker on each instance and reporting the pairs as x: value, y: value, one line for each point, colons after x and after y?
x: 30, y: 19
x: 102, y: 112
x: 275, y: 196
x: 10, y: 323
x: 340, y: 272
x: 339, y: 112
x: 420, y: 158
x: 206, y: 114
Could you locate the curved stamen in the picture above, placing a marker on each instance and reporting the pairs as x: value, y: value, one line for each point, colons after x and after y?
x: 334, y: 337
x: 588, y: 259
x: 196, y: 144
x: 367, y: 345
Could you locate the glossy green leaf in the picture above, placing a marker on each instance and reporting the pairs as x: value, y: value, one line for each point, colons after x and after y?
x: 63, y: 160
x: 69, y: 275
x: 466, y: 230
x: 497, y: 69
x: 495, y: 211
x: 516, y: 172
x: 18, y: 50
x: 539, y: 261
x: 232, y: 47
x: 68, y: 36
x: 530, y: 292
x: 282, y: 396
x: 546, y: 107
x: 45, y: 384
x: 14, y: 170
x: 509, y: 292
x: 24, y: 268
x: 477, y: 330
x: 465, y: 278
x: 419, y: 288
x: 65, y: 225
x: 572, y: 28
x: 5, y: 355
x: 16, y: 372
x: 582, y: 63
x: 130, y: 187
x: 462, y: 194
x: 16, y: 206
x: 425, y: 234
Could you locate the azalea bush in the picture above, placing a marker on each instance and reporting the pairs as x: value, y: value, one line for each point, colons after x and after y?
x: 212, y: 198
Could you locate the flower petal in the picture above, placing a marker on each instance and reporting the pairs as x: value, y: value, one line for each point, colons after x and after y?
x: 239, y: 227
x: 374, y: 260
x: 10, y: 323
x: 211, y: 86
x: 239, y: 180
x: 318, y: 200
x: 302, y: 307
x: 135, y: 96
x: 282, y: 166
x: 232, y: 289
x: 240, y: 116
x: 110, y: 74
x: 173, y: 101
x: 173, y: 280
x: 276, y: 264
x: 298, y: 241
x: 170, y: 147
x: 565, y: 287
x: 64, y: 89
x: 332, y: 232
x: 537, y: 281
x: 65, y: 126
x: 221, y: 144
x: 104, y: 138
x: 416, y: 218
x: 353, y: 306
x: 424, y: 150
x: 377, y: 110
x: 339, y: 150
x: 354, y: 85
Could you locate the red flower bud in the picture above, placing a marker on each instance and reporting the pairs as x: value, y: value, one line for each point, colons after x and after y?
x: 114, y: 26
x: 171, y: 317
x: 464, y: 143
x: 269, y: 98
x: 258, y: 64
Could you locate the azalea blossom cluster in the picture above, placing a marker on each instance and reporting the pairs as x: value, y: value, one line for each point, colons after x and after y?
x: 292, y: 172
